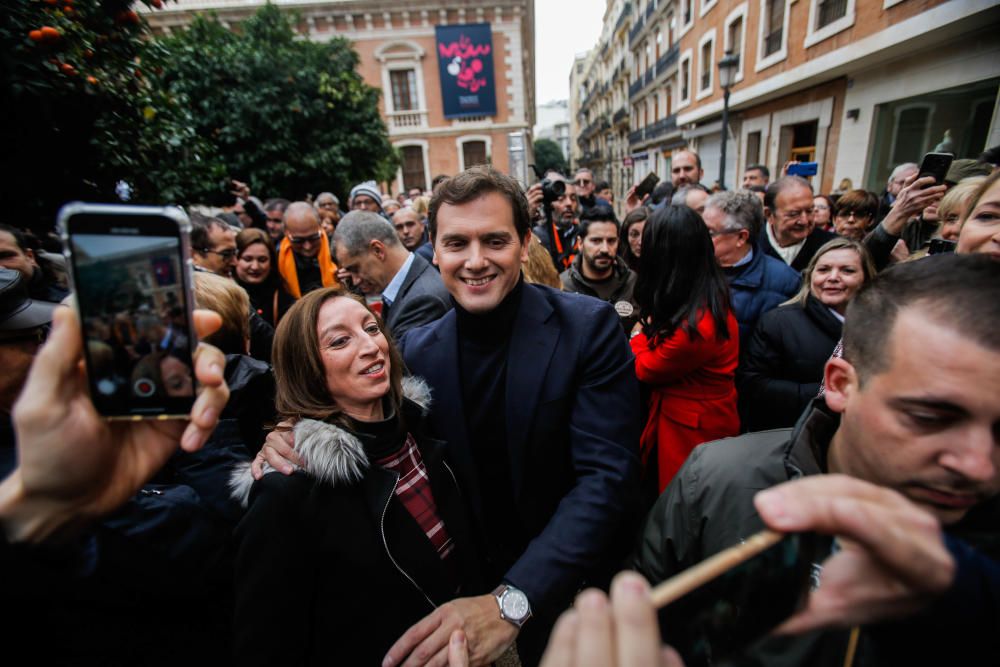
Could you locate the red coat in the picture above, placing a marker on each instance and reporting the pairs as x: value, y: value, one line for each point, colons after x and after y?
x: 693, y: 397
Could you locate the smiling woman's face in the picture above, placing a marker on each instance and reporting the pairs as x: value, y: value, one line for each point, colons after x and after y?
x: 355, y: 356
x: 981, y: 230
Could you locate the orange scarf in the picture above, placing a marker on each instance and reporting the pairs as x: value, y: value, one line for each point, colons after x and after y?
x: 290, y: 276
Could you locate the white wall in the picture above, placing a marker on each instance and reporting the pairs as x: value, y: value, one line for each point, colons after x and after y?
x: 969, y: 59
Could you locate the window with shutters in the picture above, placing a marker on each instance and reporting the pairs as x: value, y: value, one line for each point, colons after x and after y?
x: 473, y: 153
x: 404, y: 89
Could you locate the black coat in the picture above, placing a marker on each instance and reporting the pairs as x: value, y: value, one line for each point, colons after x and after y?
x: 783, y: 366
x: 360, y: 571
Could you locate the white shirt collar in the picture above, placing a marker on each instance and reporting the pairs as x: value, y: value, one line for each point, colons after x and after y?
x: 789, y: 253
x: 391, y: 290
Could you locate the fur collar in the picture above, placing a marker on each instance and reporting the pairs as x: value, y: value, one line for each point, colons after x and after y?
x: 328, y: 452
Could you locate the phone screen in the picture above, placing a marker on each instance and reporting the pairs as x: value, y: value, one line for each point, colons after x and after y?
x: 744, y: 603
x: 130, y: 286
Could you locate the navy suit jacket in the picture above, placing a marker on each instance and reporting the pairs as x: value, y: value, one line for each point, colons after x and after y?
x: 572, y: 427
x: 421, y: 299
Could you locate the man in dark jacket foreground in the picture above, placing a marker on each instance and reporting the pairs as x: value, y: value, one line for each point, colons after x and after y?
x: 890, y: 417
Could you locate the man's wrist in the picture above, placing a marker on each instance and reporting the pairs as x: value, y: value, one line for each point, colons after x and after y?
x: 513, y: 604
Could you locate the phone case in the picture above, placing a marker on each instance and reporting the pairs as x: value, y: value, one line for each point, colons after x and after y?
x: 68, y: 211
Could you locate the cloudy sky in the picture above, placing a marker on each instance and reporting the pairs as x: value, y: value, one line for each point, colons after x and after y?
x: 562, y: 29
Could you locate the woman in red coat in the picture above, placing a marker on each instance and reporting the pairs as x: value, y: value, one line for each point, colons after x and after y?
x: 687, y: 344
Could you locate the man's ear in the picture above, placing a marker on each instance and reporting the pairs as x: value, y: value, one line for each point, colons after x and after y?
x: 841, y: 381
x: 377, y: 248
x: 30, y: 254
x: 525, y: 241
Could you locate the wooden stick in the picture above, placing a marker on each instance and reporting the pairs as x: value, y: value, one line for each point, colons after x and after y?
x: 690, y: 579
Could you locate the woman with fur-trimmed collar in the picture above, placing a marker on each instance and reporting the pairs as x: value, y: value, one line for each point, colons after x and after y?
x: 371, y: 527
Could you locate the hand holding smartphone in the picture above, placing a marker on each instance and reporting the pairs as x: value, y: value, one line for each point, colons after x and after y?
x: 646, y: 185
x: 130, y: 268
x: 936, y: 165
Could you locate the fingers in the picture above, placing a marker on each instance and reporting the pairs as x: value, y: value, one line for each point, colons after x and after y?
x: 561, y: 651
x: 458, y: 650
x: 806, y: 504
x: 412, y: 638
x: 204, y: 416
x: 279, y: 451
x: 595, y: 639
x: 637, y: 634
x: 430, y: 649
x: 206, y: 322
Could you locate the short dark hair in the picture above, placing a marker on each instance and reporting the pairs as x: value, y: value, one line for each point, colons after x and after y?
x: 779, y: 186
x: 961, y: 291
x: 200, y: 224
x: 859, y: 202
x: 602, y: 185
x: 761, y: 168
x: 20, y: 238
x: 664, y: 190
x: 472, y: 184
x: 991, y: 155
x: 438, y: 180
x: 599, y: 213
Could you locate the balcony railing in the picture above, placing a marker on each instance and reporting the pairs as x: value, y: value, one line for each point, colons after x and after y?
x: 620, y: 115
x: 626, y: 10
x: 406, y: 120
x: 634, y: 88
x: 664, y: 62
x: 661, y: 127
x: 647, y: 78
x: 636, y: 29
x: 650, y: 8
x: 637, y: 136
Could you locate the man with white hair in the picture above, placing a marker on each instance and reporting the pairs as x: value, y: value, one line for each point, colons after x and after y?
x: 892, y: 187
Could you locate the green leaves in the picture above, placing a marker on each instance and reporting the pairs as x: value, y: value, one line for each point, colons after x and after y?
x: 548, y: 155
x: 174, y: 115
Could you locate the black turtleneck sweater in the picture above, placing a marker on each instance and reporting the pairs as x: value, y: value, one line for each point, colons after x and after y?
x: 381, y: 438
x: 484, y: 342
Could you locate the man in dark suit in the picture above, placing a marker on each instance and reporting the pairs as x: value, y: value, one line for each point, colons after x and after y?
x: 535, y: 393
x: 789, y: 234
x: 370, y: 252
x: 539, y: 405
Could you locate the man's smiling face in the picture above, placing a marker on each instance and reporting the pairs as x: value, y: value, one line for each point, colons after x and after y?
x: 479, y: 252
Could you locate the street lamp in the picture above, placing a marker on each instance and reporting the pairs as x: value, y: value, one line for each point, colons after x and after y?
x: 727, y: 69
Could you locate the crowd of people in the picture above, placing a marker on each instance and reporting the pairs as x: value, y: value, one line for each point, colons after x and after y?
x: 426, y: 423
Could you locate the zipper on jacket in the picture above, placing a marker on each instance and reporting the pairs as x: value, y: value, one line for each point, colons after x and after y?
x: 386, y: 544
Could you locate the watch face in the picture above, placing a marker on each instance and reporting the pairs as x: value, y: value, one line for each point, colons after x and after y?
x: 515, y: 605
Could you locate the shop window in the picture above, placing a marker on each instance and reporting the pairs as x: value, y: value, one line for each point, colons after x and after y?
x: 955, y: 120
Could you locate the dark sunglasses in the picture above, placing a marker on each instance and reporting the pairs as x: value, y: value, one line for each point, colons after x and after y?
x: 299, y: 240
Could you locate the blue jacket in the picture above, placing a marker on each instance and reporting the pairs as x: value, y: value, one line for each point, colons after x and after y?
x: 757, y: 287
x: 572, y: 419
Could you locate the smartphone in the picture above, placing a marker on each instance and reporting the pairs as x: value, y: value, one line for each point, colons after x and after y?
x: 131, y: 272
x: 721, y: 606
x: 646, y: 185
x: 803, y: 169
x: 936, y: 165
x: 940, y: 246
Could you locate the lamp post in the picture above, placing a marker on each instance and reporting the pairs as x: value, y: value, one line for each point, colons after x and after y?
x: 727, y: 68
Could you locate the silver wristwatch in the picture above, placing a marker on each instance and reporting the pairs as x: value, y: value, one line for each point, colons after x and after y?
x: 513, y: 603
